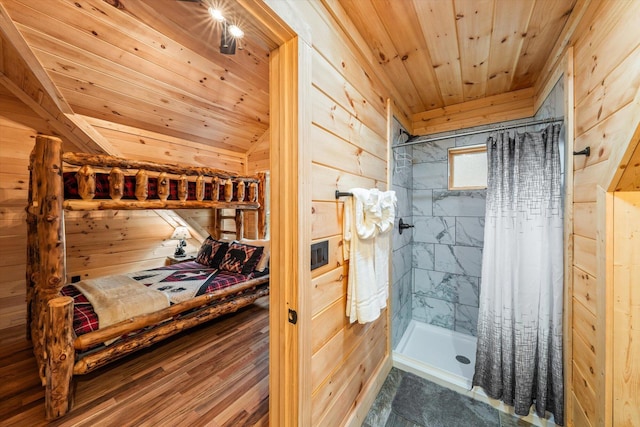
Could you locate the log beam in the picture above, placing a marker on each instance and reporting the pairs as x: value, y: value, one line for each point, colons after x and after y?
x: 59, y: 338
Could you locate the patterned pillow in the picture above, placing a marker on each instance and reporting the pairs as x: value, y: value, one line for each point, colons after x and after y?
x: 241, y: 258
x: 263, y: 263
x: 211, y: 252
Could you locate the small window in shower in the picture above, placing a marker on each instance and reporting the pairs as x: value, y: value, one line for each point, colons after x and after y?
x: 468, y: 167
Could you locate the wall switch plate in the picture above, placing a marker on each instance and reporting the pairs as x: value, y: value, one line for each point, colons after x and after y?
x: 319, y: 254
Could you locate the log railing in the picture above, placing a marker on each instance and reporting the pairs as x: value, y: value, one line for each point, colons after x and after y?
x: 247, y: 188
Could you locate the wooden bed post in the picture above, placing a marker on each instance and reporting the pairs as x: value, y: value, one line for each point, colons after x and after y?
x: 59, y: 337
x: 262, y: 210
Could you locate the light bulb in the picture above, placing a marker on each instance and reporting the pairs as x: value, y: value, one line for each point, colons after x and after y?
x: 216, y: 14
x: 236, y: 32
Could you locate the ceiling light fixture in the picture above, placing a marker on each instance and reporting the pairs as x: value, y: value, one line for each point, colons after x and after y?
x: 229, y: 38
x: 216, y: 14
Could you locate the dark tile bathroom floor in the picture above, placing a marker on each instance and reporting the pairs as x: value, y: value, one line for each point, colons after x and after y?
x: 406, y: 400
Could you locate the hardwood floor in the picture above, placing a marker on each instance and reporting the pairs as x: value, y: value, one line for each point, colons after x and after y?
x: 213, y: 375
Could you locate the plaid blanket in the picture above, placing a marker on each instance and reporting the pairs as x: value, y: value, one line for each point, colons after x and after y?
x: 179, y: 281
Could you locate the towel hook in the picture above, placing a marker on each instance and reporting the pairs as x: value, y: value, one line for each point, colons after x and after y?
x: 403, y: 226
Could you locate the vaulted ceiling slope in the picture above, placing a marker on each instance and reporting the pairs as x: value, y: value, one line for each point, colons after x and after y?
x: 153, y: 65
x: 444, y: 52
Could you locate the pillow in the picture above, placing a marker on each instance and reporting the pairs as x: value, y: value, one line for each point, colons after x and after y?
x: 266, y: 253
x: 211, y: 252
x: 241, y: 258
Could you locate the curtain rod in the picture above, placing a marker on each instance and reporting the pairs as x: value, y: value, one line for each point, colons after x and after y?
x: 475, y: 132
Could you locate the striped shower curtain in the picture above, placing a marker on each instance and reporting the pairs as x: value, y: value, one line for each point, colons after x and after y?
x: 519, y: 354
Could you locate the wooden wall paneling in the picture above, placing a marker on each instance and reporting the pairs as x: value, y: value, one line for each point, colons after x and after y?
x: 345, y: 61
x: 615, y: 91
x: 585, y: 360
x: 343, y: 92
x: 326, y: 219
x: 328, y: 288
x: 336, y: 153
x: 584, y: 323
x: 584, y: 219
x: 625, y: 308
x: 585, y: 254
x: 586, y: 180
x: 333, y: 117
x: 606, y: 136
x: 347, y: 382
x: 329, y: 322
x: 493, y: 109
x: 584, y: 289
x: 585, y: 395
x: 577, y: 416
x: 610, y: 38
x: 327, y: 180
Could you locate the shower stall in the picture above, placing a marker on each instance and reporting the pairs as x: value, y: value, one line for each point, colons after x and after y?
x: 437, y: 265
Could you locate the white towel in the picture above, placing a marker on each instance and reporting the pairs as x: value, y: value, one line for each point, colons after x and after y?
x: 362, y: 214
x: 383, y: 244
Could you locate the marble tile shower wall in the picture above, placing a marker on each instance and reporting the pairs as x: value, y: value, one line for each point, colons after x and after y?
x: 449, y: 230
x: 447, y: 241
x: 402, y: 181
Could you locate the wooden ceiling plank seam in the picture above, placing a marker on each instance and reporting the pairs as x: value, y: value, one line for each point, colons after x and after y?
x: 231, y: 122
x: 113, y: 32
x: 73, y: 128
x: 255, y: 61
x: 163, y: 45
x: 167, y: 130
x: 142, y: 133
x: 102, y: 49
x: 102, y: 90
x: 474, y: 21
x: 369, y: 25
x: 343, y: 21
x: 260, y: 140
x: 547, y: 19
x: 32, y: 64
x: 126, y: 111
x: 122, y: 80
x: 506, y: 42
x: 543, y: 85
x: 411, y: 44
x: 439, y: 31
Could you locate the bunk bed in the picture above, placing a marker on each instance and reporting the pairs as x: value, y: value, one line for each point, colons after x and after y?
x: 84, y: 182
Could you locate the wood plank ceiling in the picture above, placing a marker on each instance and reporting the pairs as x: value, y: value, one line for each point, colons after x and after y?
x: 444, y: 52
x: 156, y: 65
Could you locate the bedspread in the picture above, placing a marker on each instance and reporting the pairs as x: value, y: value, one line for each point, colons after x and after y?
x: 179, y: 281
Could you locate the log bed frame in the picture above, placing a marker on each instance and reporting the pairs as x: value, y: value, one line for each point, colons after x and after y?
x: 57, y: 349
